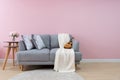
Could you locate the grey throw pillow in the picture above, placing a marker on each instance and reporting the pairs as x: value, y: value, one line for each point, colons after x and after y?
x: 28, y: 41
x: 39, y: 44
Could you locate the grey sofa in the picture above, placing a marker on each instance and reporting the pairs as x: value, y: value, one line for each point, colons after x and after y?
x: 46, y: 55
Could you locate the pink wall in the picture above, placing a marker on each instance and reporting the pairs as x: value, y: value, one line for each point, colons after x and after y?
x: 94, y: 23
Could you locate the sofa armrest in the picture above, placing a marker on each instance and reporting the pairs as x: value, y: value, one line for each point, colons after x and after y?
x: 75, y: 45
x: 21, y: 46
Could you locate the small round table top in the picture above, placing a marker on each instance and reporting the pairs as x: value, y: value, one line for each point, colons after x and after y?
x: 10, y: 41
x: 11, y: 44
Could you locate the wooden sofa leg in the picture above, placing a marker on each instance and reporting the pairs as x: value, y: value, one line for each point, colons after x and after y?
x: 76, y: 66
x: 21, y: 67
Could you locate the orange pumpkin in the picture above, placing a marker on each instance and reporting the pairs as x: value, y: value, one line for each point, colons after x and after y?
x: 68, y: 45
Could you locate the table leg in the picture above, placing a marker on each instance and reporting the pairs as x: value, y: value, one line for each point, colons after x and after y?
x: 16, y: 47
x: 6, y: 57
x: 13, y: 49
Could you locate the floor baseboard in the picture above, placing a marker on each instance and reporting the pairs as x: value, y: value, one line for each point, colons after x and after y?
x: 83, y: 60
x: 9, y: 60
x: 100, y: 60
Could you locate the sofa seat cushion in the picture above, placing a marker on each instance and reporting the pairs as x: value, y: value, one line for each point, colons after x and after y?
x: 34, y: 55
x: 53, y: 51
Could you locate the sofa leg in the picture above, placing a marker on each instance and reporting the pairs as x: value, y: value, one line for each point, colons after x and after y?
x: 21, y: 67
x: 76, y: 66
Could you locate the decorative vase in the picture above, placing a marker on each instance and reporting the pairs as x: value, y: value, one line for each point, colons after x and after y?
x: 13, y: 38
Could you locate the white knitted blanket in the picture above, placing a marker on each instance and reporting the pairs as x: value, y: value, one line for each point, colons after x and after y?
x: 64, y: 58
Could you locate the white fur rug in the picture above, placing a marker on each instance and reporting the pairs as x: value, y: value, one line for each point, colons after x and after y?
x: 46, y: 75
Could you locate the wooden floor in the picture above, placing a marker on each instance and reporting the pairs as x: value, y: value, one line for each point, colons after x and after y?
x: 89, y: 71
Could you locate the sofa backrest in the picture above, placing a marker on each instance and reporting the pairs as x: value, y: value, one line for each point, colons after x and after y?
x: 54, y: 41
x: 50, y: 41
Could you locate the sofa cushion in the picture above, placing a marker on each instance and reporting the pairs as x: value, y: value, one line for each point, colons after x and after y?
x: 53, y: 51
x: 28, y: 41
x: 34, y: 55
x: 45, y: 38
x: 54, y: 41
x: 39, y: 44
